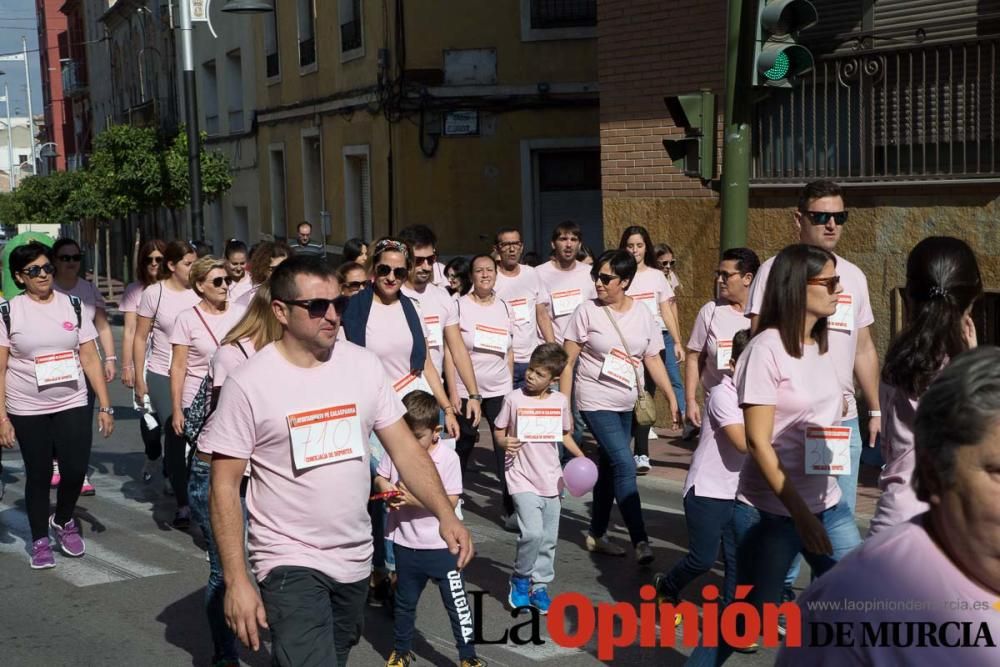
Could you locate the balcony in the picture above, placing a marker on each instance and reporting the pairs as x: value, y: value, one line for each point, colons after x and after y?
x: 74, y: 78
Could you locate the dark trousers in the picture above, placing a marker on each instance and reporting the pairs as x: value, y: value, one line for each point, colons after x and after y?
x: 413, y: 568
x: 65, y: 436
x: 174, y: 445
x: 467, y: 442
x: 151, y: 440
x: 314, y: 620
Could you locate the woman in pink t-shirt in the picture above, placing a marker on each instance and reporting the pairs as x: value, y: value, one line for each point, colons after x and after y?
x: 158, y: 309
x: 44, y: 344
x: 942, y: 285
x: 236, y: 266
x: 613, y: 337
x: 710, y: 345
x: 263, y: 260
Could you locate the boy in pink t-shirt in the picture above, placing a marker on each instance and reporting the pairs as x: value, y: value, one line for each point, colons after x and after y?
x: 420, y: 552
x: 530, y: 426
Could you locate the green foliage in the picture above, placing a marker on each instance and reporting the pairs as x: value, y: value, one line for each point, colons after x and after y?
x: 216, y: 174
x: 126, y: 168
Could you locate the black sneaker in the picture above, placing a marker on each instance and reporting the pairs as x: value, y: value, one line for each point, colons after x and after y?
x: 182, y: 518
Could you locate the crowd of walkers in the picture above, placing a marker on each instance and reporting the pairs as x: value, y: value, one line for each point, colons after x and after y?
x: 272, y: 384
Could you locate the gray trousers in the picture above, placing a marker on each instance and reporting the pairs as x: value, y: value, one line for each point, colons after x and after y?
x: 538, y: 524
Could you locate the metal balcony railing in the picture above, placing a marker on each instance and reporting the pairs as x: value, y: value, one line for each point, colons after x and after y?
x: 74, y: 77
x: 917, y: 114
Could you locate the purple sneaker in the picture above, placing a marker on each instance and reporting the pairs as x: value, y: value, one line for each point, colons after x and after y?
x: 41, y: 555
x: 68, y: 537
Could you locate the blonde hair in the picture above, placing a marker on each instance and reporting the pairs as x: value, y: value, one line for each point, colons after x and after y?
x: 201, y: 268
x: 258, y: 324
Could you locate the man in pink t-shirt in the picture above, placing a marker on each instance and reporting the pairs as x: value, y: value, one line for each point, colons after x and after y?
x: 290, y: 412
x: 566, y: 283
x: 819, y: 220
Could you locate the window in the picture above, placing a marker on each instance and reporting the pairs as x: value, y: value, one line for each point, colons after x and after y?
x: 547, y: 14
x: 272, y: 62
x: 234, y: 93
x: 307, y: 33
x: 210, y: 97
x: 351, y: 33
x: 357, y: 192
x: 277, y: 188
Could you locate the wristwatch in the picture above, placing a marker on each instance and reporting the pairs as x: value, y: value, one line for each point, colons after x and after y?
x: 107, y: 411
x: 476, y: 397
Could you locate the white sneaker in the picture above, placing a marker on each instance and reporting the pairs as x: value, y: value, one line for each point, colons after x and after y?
x: 652, y: 434
x: 642, y: 465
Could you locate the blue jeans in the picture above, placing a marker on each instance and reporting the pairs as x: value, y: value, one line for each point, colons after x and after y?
x: 766, y: 544
x: 709, y: 522
x: 382, y: 554
x: 519, y: 370
x: 674, y: 371
x: 223, y: 638
x: 615, y: 474
x: 849, y: 483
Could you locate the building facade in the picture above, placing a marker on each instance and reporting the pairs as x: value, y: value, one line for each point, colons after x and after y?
x: 53, y: 49
x: 377, y: 116
x: 15, y: 154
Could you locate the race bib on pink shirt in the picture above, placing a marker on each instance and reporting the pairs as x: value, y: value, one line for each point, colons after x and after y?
x: 723, y: 355
x: 410, y: 382
x: 491, y: 339
x: 620, y: 367
x: 539, y: 424
x: 566, y: 301
x: 521, y: 310
x: 843, y: 319
x: 324, y: 436
x: 828, y: 450
x: 435, y: 337
x: 56, y: 368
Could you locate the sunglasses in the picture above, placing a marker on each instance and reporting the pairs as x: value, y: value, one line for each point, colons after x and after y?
x: 604, y: 278
x: 217, y: 282
x: 668, y: 264
x: 318, y: 308
x: 70, y: 258
x: 152, y: 260
x: 823, y: 217
x: 725, y: 275
x: 355, y: 284
x: 399, y: 273
x: 36, y: 270
x: 429, y: 260
x: 830, y: 283
x: 508, y: 245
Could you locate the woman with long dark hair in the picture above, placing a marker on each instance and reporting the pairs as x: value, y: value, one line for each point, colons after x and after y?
x: 458, y: 274
x: 237, y: 258
x: 942, y: 286
x: 263, y: 260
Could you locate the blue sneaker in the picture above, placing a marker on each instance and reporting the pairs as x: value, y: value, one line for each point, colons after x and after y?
x: 519, y: 589
x: 540, y: 600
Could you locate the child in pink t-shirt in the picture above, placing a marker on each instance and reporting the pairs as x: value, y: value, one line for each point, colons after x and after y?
x: 530, y: 426
x: 420, y: 552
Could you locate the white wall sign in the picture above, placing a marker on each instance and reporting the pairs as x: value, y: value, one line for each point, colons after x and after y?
x: 461, y: 123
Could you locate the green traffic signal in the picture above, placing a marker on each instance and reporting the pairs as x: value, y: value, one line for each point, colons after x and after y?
x: 779, y: 58
x: 779, y: 70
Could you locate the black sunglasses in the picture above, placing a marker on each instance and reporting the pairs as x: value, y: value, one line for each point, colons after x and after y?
x: 152, y: 260
x: 399, y: 273
x: 217, y: 282
x: 318, y: 308
x: 823, y: 217
x: 430, y: 259
x: 604, y: 278
x: 36, y: 270
x: 726, y: 275
x: 667, y: 264
x: 355, y: 284
x: 70, y: 258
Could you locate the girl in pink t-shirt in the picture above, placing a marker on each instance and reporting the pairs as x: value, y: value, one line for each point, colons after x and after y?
x: 613, y: 338
x: 236, y: 266
x: 44, y: 345
x: 942, y: 285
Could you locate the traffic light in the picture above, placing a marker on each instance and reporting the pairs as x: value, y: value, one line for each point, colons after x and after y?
x: 778, y: 57
x: 694, y: 153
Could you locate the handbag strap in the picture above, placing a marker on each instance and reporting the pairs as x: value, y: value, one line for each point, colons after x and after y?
x: 638, y: 379
x: 197, y: 312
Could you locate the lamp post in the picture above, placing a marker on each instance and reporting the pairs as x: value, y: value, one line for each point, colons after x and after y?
x: 191, y: 99
x: 11, y: 178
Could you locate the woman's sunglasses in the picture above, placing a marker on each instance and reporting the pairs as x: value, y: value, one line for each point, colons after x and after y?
x: 604, y: 278
x: 36, y: 270
x: 152, y: 260
x: 399, y: 273
x: 70, y: 258
x: 318, y: 308
x: 355, y: 284
x: 830, y: 283
x: 217, y: 282
x: 667, y: 264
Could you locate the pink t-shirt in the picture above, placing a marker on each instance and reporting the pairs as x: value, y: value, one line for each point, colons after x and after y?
x: 521, y: 292
x: 898, y: 502
x: 716, y: 321
x: 202, y: 342
x: 437, y: 311
x: 38, y: 330
x: 716, y: 464
x: 843, y: 343
x: 535, y: 467
x: 228, y: 359
x: 130, y: 298
x: 906, y: 581
x: 316, y: 517
x: 162, y: 305
x: 591, y: 329
x: 805, y: 392
x: 650, y: 288
x: 415, y: 527
x: 247, y: 296
x: 388, y: 335
x: 439, y: 278
x: 675, y: 283
x: 487, y: 331
x: 562, y: 291
x: 240, y: 287
x: 88, y: 294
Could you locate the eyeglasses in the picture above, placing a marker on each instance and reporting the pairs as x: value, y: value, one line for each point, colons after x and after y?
x: 70, y: 258
x: 509, y: 245
x: 726, y: 275
x: 605, y: 278
x: 429, y: 260
x: 217, y: 282
x: 667, y: 264
x: 354, y: 285
x: 36, y: 270
x: 823, y: 217
x: 318, y: 308
x: 152, y: 260
x: 399, y: 273
x: 830, y: 282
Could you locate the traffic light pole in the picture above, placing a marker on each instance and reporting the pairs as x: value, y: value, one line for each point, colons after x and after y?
x: 735, y: 178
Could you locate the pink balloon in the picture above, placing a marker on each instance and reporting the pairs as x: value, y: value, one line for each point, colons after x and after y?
x: 580, y: 475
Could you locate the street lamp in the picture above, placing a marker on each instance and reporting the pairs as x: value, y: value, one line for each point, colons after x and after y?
x: 191, y: 101
x: 11, y: 177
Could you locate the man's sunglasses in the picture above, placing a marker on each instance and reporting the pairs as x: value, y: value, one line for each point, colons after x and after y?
x: 604, y: 278
x: 70, y: 258
x: 318, y: 308
x: 36, y: 270
x: 399, y: 273
x: 152, y: 260
x: 217, y: 282
x: 430, y: 259
x: 726, y: 275
x: 831, y: 283
x: 823, y: 217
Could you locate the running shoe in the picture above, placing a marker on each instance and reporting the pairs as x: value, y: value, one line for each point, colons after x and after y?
x: 662, y: 599
x: 510, y: 522
x: 41, y: 555
x: 68, y: 537
x: 182, y: 518
x: 652, y: 434
x: 642, y: 465
x: 473, y: 662
x: 643, y: 553
x: 397, y: 659
x: 56, y: 477
x: 540, y: 600
x: 87, y: 489
x: 602, y: 545
x: 148, y: 470
x: 520, y: 593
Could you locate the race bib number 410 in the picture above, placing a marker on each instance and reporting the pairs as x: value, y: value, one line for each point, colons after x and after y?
x: 327, y: 435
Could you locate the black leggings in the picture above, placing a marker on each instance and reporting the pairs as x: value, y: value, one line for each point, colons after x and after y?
x: 66, y: 436
x: 467, y: 442
x: 151, y: 439
x: 174, y: 445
